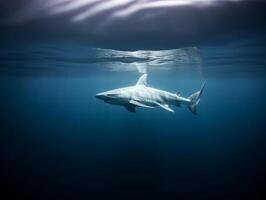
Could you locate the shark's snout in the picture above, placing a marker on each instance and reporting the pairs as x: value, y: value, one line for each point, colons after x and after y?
x: 100, y: 96
x: 104, y: 96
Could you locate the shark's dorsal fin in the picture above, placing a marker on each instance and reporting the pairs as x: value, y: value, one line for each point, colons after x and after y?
x: 143, y: 80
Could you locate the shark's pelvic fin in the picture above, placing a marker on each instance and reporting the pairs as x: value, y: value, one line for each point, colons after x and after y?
x: 143, y: 80
x: 165, y: 106
x: 130, y: 108
x: 136, y: 103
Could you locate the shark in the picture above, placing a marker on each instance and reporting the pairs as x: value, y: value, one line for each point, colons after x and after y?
x: 141, y: 95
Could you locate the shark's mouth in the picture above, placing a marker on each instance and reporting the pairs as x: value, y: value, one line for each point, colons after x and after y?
x: 113, y: 101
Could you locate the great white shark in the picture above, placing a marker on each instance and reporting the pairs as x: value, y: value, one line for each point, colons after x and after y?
x: 141, y: 95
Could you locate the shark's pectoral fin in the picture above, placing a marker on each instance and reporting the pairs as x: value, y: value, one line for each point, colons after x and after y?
x: 130, y: 108
x: 137, y: 103
x: 165, y: 106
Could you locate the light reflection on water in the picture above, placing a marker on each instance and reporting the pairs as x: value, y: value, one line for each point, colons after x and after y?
x: 246, y: 57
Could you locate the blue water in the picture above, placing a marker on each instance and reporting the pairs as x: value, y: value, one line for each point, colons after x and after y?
x: 59, y: 142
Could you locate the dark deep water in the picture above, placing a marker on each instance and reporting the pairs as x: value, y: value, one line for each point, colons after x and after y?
x: 59, y: 142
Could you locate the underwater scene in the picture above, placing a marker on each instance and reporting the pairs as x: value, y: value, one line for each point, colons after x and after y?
x: 132, y: 99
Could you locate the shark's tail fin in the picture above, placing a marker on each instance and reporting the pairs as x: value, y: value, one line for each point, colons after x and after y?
x: 194, y: 100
